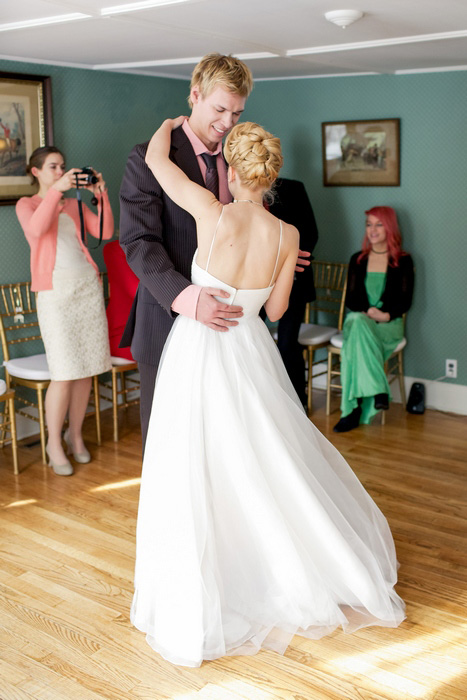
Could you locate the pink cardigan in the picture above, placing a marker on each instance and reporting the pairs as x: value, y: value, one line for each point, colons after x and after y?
x: 39, y: 220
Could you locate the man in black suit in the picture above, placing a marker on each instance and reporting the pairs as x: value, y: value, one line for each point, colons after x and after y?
x: 159, y: 238
x: 291, y: 204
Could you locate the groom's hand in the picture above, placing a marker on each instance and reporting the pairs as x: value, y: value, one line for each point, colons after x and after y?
x: 302, y: 261
x: 214, y: 313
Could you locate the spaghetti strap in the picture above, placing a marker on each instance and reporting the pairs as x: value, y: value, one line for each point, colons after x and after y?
x: 278, y: 251
x: 213, y: 238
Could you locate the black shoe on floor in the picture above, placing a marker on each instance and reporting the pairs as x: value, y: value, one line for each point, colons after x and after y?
x: 381, y: 402
x: 349, y: 422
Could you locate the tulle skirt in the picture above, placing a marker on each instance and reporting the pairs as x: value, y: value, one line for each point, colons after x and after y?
x: 251, y: 526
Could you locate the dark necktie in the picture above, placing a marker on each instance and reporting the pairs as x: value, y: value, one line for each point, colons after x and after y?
x: 212, y: 176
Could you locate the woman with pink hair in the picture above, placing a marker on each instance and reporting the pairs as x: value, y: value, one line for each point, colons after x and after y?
x: 379, y: 291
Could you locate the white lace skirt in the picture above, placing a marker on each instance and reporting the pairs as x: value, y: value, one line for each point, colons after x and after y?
x: 73, y: 325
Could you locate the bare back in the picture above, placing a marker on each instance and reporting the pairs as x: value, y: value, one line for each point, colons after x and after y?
x: 244, y: 246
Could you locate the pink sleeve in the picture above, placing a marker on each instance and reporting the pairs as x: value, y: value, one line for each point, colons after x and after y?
x: 187, y: 301
x: 36, y: 222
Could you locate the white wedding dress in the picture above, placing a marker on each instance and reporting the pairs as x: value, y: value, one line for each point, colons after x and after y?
x: 251, y: 526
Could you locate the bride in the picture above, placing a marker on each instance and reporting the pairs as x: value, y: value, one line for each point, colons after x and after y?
x: 251, y: 526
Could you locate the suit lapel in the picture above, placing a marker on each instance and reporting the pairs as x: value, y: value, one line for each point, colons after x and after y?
x: 183, y: 155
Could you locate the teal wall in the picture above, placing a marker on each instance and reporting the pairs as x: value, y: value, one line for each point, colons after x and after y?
x: 431, y: 201
x: 99, y: 116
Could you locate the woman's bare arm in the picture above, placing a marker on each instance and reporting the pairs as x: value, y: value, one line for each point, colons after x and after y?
x: 278, y: 302
x: 187, y: 194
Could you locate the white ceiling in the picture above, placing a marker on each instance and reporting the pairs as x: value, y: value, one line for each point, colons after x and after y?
x: 393, y: 36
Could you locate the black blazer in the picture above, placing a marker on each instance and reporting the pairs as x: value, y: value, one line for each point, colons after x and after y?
x: 291, y: 204
x: 397, y: 295
x: 159, y: 240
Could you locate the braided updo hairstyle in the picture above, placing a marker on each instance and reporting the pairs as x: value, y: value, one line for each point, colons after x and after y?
x: 255, y: 154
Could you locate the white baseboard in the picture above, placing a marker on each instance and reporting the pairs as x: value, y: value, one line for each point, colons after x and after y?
x: 439, y: 395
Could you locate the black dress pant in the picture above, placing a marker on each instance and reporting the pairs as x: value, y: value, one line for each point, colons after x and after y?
x: 147, y: 375
x: 289, y: 347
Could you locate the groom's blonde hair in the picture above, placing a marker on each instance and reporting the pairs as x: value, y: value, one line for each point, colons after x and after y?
x: 215, y: 70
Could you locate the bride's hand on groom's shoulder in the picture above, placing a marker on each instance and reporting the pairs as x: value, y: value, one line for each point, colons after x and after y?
x: 177, y: 121
x: 160, y: 141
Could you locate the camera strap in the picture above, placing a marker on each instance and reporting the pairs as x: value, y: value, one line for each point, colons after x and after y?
x: 81, y: 216
x: 80, y: 209
x: 101, y: 219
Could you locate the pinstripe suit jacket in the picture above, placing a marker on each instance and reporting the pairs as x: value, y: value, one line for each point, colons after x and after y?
x: 159, y: 240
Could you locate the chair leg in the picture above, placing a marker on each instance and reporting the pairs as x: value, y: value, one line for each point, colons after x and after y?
x: 400, y: 366
x: 14, y: 441
x: 97, y: 406
x: 3, y: 429
x: 383, y: 413
x: 40, y: 405
x: 328, y: 388
x: 115, y: 403
x: 310, y: 381
x: 123, y: 386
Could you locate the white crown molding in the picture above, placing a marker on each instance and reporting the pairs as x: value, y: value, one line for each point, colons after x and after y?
x: 178, y: 61
x: 45, y: 62
x: 114, y: 67
x: 396, y: 41
x: 324, y: 75
x: 442, y: 69
x: 149, y: 64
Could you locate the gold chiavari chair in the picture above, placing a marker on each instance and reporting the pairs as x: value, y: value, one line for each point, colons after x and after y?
x: 28, y: 369
x: 394, y: 368
x: 8, y: 425
x: 330, y: 282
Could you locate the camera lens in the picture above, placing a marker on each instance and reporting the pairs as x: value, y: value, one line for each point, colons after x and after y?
x: 91, y: 178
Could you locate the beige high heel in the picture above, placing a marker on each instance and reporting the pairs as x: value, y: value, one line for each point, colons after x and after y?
x: 81, y: 457
x: 64, y: 469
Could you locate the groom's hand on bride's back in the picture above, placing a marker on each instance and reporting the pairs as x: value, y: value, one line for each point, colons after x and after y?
x: 214, y: 313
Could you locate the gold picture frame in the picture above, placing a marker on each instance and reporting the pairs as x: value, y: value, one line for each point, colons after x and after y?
x: 25, y: 124
x: 361, y: 153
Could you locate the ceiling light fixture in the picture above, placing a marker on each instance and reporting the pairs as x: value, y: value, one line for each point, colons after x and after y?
x: 133, y: 6
x: 56, y: 19
x: 343, y: 17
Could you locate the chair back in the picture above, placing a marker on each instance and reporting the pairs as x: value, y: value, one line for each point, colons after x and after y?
x: 18, y: 317
x: 330, y: 283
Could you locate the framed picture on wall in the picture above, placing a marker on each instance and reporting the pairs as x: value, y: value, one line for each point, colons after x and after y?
x: 25, y: 124
x: 362, y: 153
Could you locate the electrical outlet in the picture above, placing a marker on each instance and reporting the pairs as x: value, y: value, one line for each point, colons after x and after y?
x: 451, y: 369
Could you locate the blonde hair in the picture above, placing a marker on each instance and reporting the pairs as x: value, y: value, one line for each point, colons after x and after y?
x: 255, y: 154
x: 225, y: 71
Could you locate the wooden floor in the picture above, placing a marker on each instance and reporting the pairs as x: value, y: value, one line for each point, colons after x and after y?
x: 66, y: 568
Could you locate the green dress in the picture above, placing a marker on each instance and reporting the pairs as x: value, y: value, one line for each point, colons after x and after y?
x: 367, y: 345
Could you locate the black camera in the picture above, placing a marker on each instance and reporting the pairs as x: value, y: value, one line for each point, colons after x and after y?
x: 91, y: 178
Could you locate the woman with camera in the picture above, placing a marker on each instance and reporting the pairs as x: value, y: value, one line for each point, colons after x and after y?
x: 70, y: 303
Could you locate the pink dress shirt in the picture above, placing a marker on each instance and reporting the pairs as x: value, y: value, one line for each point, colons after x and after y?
x: 187, y: 301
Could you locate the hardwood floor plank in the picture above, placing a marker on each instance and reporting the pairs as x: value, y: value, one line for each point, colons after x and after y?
x: 66, y: 580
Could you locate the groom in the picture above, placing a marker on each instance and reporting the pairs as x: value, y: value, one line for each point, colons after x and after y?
x: 159, y: 238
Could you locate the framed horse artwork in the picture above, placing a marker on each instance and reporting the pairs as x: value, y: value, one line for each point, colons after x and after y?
x: 362, y: 153
x: 25, y: 124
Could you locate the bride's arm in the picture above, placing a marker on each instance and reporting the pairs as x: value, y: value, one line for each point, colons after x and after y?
x: 187, y: 194
x: 278, y: 302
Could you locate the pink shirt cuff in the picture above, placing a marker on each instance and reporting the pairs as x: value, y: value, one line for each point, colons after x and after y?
x: 187, y: 301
